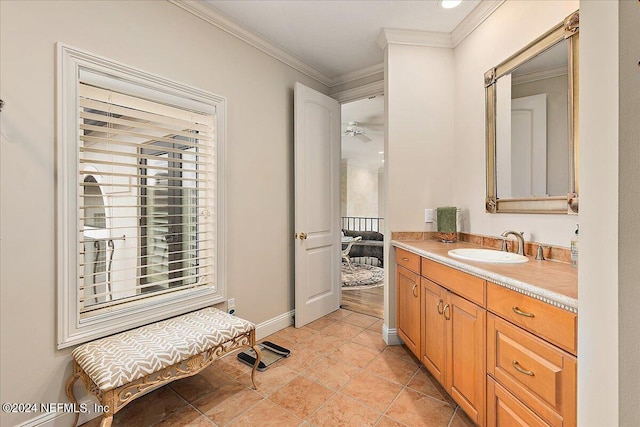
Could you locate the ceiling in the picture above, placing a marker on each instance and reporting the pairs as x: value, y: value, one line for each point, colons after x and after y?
x: 337, y: 38
x: 369, y: 114
x: 337, y: 41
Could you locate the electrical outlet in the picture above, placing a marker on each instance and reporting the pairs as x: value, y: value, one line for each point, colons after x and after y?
x: 428, y: 215
x: 231, y: 306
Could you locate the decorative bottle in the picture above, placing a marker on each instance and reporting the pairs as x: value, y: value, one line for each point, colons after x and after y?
x: 574, y: 247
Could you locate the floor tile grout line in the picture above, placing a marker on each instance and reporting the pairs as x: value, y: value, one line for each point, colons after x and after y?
x: 241, y: 413
x: 168, y: 386
x: 453, y: 416
x: 223, y: 372
x: 188, y: 404
x: 418, y: 391
x: 305, y: 338
x: 384, y: 414
x: 308, y: 417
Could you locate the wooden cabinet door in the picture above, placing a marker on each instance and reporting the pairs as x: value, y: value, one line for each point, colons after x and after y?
x: 409, y: 309
x: 466, y: 370
x: 503, y: 409
x: 434, y: 338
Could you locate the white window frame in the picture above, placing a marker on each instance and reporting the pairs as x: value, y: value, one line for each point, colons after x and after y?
x: 71, y: 330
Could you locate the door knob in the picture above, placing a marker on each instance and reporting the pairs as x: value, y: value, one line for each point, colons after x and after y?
x: 303, y: 236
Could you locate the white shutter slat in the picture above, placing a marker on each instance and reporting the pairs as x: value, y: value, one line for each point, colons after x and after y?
x: 152, y: 193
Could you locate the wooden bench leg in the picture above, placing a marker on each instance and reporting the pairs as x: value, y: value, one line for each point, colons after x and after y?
x: 70, y: 394
x: 256, y: 348
x: 106, y: 420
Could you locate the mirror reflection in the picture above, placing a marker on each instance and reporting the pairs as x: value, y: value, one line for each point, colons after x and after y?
x: 532, y: 127
x: 532, y: 139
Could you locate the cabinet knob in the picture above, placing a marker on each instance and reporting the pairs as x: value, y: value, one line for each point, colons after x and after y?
x: 405, y: 259
x: 439, y: 307
x: 415, y: 285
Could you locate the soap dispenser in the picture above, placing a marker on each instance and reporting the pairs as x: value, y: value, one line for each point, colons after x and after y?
x: 574, y: 247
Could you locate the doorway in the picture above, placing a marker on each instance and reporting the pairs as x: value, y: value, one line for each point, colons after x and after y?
x: 361, y: 205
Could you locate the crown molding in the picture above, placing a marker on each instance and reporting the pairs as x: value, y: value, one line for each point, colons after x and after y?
x: 360, y: 92
x: 358, y: 74
x: 474, y: 19
x: 439, y: 39
x: 414, y: 38
x: 546, y: 73
x: 208, y: 14
x: 387, y: 36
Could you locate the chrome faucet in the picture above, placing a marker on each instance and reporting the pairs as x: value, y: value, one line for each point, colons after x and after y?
x: 519, y: 236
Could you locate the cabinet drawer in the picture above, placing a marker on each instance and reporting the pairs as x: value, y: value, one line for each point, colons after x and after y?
x: 551, y: 323
x: 503, y: 409
x: 463, y: 284
x: 540, y: 375
x: 408, y: 260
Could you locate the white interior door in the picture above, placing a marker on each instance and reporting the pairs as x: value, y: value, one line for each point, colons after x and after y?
x: 317, y: 205
x: 529, y: 146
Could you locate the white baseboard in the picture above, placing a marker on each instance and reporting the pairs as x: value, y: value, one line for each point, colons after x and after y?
x: 390, y: 336
x: 64, y: 419
x: 274, y: 325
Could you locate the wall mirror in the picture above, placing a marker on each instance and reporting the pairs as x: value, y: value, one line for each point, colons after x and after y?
x: 532, y: 126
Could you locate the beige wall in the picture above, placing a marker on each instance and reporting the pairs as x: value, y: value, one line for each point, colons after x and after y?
x: 360, y: 196
x: 419, y: 163
x: 163, y: 39
x: 598, y: 268
x: 609, y: 344
x: 501, y: 35
x: 629, y: 214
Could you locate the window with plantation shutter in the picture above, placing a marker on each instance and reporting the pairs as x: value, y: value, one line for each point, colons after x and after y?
x: 139, y: 194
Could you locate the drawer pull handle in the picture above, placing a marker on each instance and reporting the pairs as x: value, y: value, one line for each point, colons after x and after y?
x: 405, y: 259
x: 413, y: 290
x: 439, y: 307
x: 444, y: 311
x: 519, y: 312
x: 520, y: 369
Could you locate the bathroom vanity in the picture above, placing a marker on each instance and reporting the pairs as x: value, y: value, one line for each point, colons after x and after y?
x: 500, y: 338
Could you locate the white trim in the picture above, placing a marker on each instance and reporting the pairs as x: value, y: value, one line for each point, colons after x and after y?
x: 358, y: 74
x: 546, y: 73
x: 70, y: 331
x: 389, y: 36
x: 64, y: 419
x: 474, y: 19
x: 390, y: 336
x: 274, y: 325
x: 399, y: 36
x: 360, y: 92
x: 214, y: 17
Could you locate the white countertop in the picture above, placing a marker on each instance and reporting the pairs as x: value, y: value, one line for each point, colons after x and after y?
x: 553, y: 282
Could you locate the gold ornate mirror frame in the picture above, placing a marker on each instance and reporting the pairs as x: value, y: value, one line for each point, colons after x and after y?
x: 566, y: 30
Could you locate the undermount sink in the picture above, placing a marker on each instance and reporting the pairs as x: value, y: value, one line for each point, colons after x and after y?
x: 488, y: 255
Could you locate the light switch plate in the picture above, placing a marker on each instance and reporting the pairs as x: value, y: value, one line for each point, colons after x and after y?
x: 428, y: 215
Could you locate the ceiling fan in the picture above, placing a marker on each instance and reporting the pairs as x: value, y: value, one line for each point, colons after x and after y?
x: 357, y: 132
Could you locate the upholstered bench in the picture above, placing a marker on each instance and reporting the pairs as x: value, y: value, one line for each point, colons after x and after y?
x: 122, y: 367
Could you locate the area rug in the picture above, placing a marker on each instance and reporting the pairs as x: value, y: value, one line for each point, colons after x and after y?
x: 361, y: 276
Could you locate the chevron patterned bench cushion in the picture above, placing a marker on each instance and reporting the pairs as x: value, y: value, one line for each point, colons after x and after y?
x: 120, y: 359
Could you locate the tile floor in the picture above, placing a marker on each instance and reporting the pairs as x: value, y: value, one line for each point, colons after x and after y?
x: 340, y: 373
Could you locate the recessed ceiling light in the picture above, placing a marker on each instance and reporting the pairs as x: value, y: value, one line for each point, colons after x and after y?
x: 380, y: 152
x: 450, y: 4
